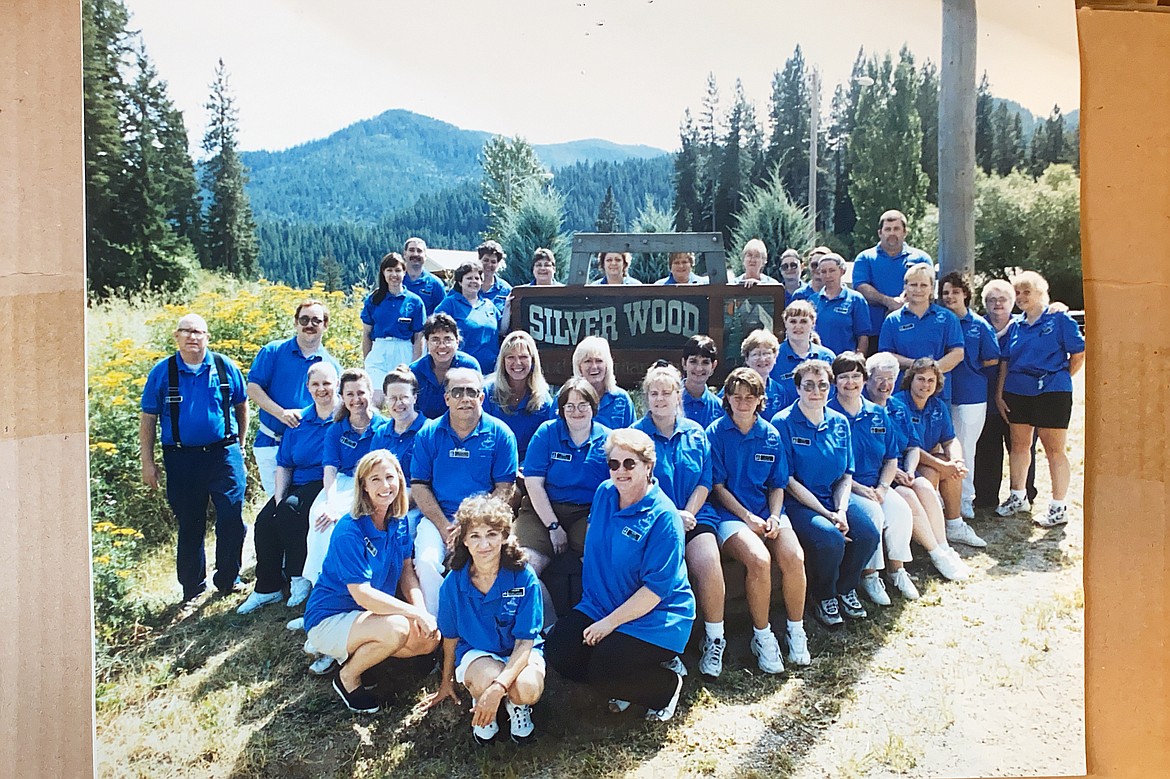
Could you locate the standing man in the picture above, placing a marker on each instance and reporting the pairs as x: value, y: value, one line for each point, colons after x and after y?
x: 276, y: 384
x: 807, y: 291
x: 419, y: 280
x: 199, y: 397
x: 495, y: 289
x: 878, y: 272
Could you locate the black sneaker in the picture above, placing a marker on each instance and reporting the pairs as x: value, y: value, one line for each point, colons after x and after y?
x: 851, y: 605
x: 194, y: 592
x: 827, y: 613
x: 236, y: 586
x: 359, y: 701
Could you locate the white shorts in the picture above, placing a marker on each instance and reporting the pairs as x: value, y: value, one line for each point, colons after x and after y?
x: 385, y: 355
x: 330, y: 636
x: 535, y: 656
x: 729, y: 527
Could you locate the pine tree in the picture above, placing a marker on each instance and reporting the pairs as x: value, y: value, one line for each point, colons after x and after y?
x: 735, y: 161
x: 984, y: 139
x: 1007, y: 131
x: 231, y: 231
x: 609, y: 216
x: 841, y: 124
x: 788, y: 144
x: 651, y: 266
x: 688, y: 202
x: 928, y: 115
x: 710, y: 156
x: 1049, y: 144
x: 329, y: 272
x: 510, y: 169
x: 769, y: 214
x: 535, y: 220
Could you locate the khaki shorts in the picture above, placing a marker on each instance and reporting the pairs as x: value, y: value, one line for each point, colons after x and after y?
x: 535, y: 658
x: 531, y: 532
x: 330, y: 636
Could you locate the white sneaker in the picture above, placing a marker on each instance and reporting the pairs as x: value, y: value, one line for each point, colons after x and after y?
x: 617, y: 705
x: 767, y: 652
x: 964, y: 534
x: 485, y: 734
x: 258, y: 599
x: 904, y: 584
x: 967, y: 509
x: 321, y: 665
x: 299, y: 590
x: 875, y: 589
x: 675, y: 664
x: 711, y: 660
x: 1057, y: 515
x: 519, y: 721
x: 798, y: 646
x: 295, y: 624
x: 1012, y: 506
x: 949, y: 566
x: 664, y: 714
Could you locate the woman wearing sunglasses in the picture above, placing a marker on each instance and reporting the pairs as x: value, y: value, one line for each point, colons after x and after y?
x: 636, y: 607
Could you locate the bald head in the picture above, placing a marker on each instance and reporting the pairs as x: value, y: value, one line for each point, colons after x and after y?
x: 191, y: 338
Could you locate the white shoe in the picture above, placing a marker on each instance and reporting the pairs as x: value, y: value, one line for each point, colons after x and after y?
x: 664, y: 714
x: 299, y: 590
x: 675, y: 664
x: 767, y: 652
x: 617, y: 705
x: 258, y: 599
x: 321, y: 665
x: 875, y: 589
x: 967, y: 509
x: 904, y: 584
x: 1013, y: 505
x: 485, y: 734
x: 948, y: 564
x: 711, y: 660
x: 798, y: 646
x: 295, y: 624
x: 519, y: 721
x: 963, y: 533
x: 1057, y: 515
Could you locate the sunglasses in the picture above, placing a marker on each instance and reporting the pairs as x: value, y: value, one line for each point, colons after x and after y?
x: 463, y: 392
x: 310, y: 320
x: 627, y: 464
x: 788, y: 265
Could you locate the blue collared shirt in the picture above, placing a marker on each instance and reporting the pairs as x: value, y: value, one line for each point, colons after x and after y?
x: 842, y: 320
x: 819, y: 455
x: 968, y: 379
x: 886, y: 274
x: 518, y: 418
x: 704, y: 409
x: 303, y: 447
x: 201, y: 420
x: 749, y: 465
x: 431, y: 401
x: 784, y: 370
x: 279, y: 369
x: 344, y: 446
x: 932, y: 423
x: 933, y: 334
x: 457, y: 468
x: 875, y: 440
x: 478, y: 327
x: 511, y: 610
x: 428, y: 287
x: 683, y: 463
x: 571, y: 473
x: 401, y: 445
x: 615, y: 409
x: 397, y: 316
x: 1038, y: 354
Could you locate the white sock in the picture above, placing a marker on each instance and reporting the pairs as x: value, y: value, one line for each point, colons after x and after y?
x: 1021, y: 494
x: 764, y: 632
x: 795, y: 626
x: 954, y: 524
x: 1056, y: 504
x: 713, y: 629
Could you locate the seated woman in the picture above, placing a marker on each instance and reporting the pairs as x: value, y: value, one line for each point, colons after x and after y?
x: 637, y: 607
x: 682, y: 469
x: 400, y: 390
x: 749, y: 473
x: 477, y: 317
x: 817, y: 445
x: 615, y: 268
x: 929, y: 527
x: 441, y: 335
x: 563, y: 468
x: 346, y: 441
x: 517, y: 393
x: 941, y: 456
x: 682, y: 270
x: 392, y: 322
x: 875, y: 459
x: 593, y: 361
x: 283, y: 523
x: 490, y: 615
x: 354, y: 614
x: 1042, y: 351
x: 800, y: 321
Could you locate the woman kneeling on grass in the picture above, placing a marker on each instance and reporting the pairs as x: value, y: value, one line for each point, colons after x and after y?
x: 490, y: 615
x: 353, y: 614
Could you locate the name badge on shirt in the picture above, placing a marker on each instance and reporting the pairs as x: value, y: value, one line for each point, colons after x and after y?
x: 787, y: 376
x: 801, y: 442
x: 877, y: 430
x: 373, y: 550
x: 563, y: 457
x: 916, y: 420
x: 905, y: 327
x: 631, y: 534
x: 842, y: 309
x: 765, y: 458
x: 460, y: 454
x: 347, y: 441
x: 515, y: 592
x: 404, y: 320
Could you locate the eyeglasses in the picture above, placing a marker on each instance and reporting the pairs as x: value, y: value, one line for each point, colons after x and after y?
x: 191, y: 331
x: 399, y: 398
x: 305, y: 321
x: 463, y: 392
x: 627, y: 464
x: 788, y: 265
x: 815, y: 386
x: 441, y: 340
x: 577, y: 407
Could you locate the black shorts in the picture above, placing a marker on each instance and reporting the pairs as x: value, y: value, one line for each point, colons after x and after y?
x: 698, y: 530
x: 1048, y: 409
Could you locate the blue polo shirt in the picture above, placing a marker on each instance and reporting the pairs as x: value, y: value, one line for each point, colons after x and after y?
x: 456, y: 468
x: 968, y: 380
x: 749, y: 465
x: 875, y: 440
x: 615, y: 409
x: 842, y: 320
x: 933, y: 334
x: 431, y: 402
x: 397, y: 316
x: 906, y: 434
x: 344, y: 446
x: 683, y: 463
x: 571, y: 473
x: 428, y: 287
x: 303, y: 447
x: 1038, y: 354
x: 803, y: 292
x: 201, y: 421
x: 784, y: 370
x: 694, y: 278
x: 626, y: 281
x: 635, y: 547
x: 819, y: 455
x: 358, y: 553
x: 478, y: 326
x: 886, y: 274
x: 511, y: 610
x: 401, y: 445
x: 497, y: 293
x: 704, y: 409
x: 279, y: 369
x: 519, y: 419
x: 932, y: 423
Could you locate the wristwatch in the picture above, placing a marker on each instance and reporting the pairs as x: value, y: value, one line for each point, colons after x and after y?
x: 554, y: 525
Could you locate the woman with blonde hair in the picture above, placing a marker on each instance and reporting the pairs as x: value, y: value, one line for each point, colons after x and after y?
x: 593, y: 361
x: 517, y: 393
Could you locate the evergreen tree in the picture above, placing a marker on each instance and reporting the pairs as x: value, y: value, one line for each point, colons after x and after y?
x: 609, y: 217
x: 649, y: 267
x: 329, y: 272
x: 688, y: 201
x: 984, y: 139
x: 735, y: 161
x: 510, y: 169
x: 841, y: 124
x: 1007, y: 134
x: 710, y: 157
x: 231, y: 232
x: 535, y: 220
x: 1049, y: 144
x: 928, y: 115
x: 769, y: 214
x: 791, y: 107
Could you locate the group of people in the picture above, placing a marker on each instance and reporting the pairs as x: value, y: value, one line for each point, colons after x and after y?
x: 417, y: 503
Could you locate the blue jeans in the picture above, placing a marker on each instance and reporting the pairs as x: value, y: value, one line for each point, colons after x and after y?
x: 193, y: 477
x: 834, y: 566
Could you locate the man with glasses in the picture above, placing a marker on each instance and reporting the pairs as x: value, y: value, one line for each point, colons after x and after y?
x: 276, y: 384
x: 198, y: 396
x: 462, y: 453
x: 809, y: 290
x: 790, y: 270
x: 418, y: 279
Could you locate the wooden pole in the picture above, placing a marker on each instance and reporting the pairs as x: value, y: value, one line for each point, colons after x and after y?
x: 956, y: 139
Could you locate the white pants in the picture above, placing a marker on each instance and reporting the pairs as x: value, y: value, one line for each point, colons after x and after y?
x: 266, y: 464
x: 385, y: 355
x: 337, y: 502
x: 968, y: 420
x: 894, y: 539
x: 430, y: 554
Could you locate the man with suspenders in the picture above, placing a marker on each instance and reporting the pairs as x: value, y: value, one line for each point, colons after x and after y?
x: 199, y: 398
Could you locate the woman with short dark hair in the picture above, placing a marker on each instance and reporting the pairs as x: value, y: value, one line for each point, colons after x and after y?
x: 477, y: 317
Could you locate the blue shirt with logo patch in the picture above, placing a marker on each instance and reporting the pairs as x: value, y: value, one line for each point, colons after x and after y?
x: 933, y: 334
x: 875, y: 440
x: 615, y: 409
x: 683, y: 463
x: 519, y: 419
x: 571, y: 473
x: 397, y: 316
x: 201, y: 420
x: 428, y: 287
x: 932, y: 423
x: 458, y: 468
x: 819, y: 455
x: 279, y: 369
x: 749, y: 465
x: 511, y: 610
x: 783, y: 371
x: 344, y: 446
x: 968, y: 380
x: 431, y: 403
x: 842, y: 320
x: 886, y: 274
x: 401, y: 445
x: 704, y: 409
x: 303, y: 447
x: 479, y: 327
x: 1037, y: 354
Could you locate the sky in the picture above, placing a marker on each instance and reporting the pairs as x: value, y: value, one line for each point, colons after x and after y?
x: 560, y: 70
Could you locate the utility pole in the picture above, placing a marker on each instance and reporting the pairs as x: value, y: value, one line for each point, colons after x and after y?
x: 814, y: 101
x: 956, y: 139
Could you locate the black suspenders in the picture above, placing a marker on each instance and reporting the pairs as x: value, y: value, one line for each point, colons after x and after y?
x: 174, y: 399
